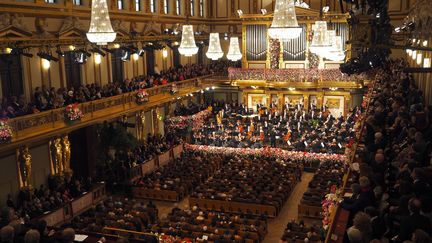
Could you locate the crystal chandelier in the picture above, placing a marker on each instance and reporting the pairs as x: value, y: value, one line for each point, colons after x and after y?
x: 284, y: 25
x: 234, y: 53
x: 214, y: 51
x: 187, y: 45
x: 320, y: 43
x: 101, y: 31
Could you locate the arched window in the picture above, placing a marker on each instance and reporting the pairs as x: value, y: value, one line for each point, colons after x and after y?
x: 165, y: 5
x: 153, y: 6
x: 201, y: 8
x: 178, y: 7
x: 137, y: 5
x: 192, y: 7
x: 120, y: 4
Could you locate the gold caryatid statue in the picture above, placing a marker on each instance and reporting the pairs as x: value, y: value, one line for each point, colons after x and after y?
x: 56, y: 155
x: 140, y: 120
x: 24, y: 167
x: 66, y: 154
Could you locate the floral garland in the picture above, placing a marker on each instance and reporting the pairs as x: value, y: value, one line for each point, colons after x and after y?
x: 329, y: 205
x: 269, y: 152
x: 141, y: 96
x: 73, y: 113
x: 313, y: 60
x: 274, y: 46
x: 173, y: 239
x: 293, y: 75
x: 5, y: 131
x: 195, y: 122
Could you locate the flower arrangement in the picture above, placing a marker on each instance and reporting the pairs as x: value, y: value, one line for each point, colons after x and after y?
x: 195, y: 122
x: 313, y: 60
x: 5, y: 131
x: 141, y: 96
x: 173, y: 239
x: 73, y: 113
x: 173, y: 89
x: 270, y: 152
x: 293, y: 75
x: 274, y: 46
x: 329, y: 205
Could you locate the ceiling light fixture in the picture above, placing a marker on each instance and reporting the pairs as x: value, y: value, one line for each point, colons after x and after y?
x: 101, y: 31
x: 187, y: 46
x: 234, y: 53
x: 214, y: 51
x: 284, y: 25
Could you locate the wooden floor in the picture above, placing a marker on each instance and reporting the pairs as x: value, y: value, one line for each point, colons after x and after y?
x: 275, y: 226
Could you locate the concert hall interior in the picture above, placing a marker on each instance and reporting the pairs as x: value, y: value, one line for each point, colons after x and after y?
x: 216, y: 121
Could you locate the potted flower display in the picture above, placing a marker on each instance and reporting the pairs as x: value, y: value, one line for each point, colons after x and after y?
x: 141, y: 97
x: 73, y: 114
x: 174, y: 89
x: 5, y: 131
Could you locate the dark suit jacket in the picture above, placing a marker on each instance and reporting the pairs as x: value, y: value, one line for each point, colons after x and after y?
x: 411, y: 223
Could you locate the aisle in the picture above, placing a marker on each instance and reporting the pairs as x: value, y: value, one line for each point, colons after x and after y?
x: 289, y: 211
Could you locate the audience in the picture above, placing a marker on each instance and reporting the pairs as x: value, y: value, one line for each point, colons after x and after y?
x: 257, y: 180
x: 329, y: 174
x: 45, y: 98
x: 182, y: 175
x: 297, y: 231
x: 394, y: 202
x: 203, y: 225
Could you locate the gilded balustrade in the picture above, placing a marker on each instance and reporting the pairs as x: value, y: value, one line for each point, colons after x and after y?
x: 47, y: 123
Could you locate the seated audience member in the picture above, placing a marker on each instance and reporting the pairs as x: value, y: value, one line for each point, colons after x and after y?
x: 68, y: 235
x: 365, y: 198
x: 361, y: 231
x: 32, y: 236
x: 7, y: 234
x: 414, y: 221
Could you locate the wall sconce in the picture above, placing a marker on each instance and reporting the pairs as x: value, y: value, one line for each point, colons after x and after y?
x: 419, y: 58
x: 8, y: 50
x: 97, y: 58
x: 46, y: 64
x: 72, y: 48
x: 427, y: 62
x: 116, y: 46
x: 425, y: 43
x: 164, y: 53
x: 135, y: 57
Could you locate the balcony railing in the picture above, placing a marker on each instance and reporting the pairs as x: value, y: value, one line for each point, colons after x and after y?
x: 52, y: 121
x: 293, y: 75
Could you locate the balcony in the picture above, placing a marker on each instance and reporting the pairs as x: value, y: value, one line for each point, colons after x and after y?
x: 295, y: 78
x: 46, y: 124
